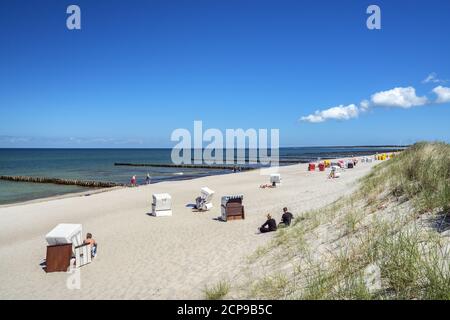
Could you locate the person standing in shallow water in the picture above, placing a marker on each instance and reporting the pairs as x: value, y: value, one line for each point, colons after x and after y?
x: 133, y: 181
x: 148, y: 179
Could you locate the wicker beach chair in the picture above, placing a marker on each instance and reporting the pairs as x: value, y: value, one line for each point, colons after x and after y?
x: 232, y: 208
x: 162, y: 205
x: 203, y: 203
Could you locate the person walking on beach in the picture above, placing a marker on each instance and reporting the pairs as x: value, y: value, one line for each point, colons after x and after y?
x: 133, y: 181
x: 286, y: 218
x: 148, y: 179
x: 269, y: 226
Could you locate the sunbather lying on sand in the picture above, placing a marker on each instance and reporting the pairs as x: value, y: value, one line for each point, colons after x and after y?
x: 264, y: 186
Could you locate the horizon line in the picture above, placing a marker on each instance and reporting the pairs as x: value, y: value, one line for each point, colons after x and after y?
x: 155, y: 148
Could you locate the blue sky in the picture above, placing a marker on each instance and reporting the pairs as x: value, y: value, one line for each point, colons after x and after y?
x: 137, y: 70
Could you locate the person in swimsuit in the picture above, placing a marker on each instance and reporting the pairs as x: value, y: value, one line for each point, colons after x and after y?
x: 89, y: 240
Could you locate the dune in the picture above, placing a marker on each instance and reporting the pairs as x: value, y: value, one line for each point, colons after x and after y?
x: 387, y: 240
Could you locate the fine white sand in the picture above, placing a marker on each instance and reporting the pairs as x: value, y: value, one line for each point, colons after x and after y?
x: 142, y: 257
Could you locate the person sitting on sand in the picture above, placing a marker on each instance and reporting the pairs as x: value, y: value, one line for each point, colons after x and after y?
x: 286, y: 218
x: 269, y: 226
x: 89, y: 240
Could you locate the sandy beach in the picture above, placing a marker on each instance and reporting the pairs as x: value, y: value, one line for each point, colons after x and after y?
x: 142, y: 257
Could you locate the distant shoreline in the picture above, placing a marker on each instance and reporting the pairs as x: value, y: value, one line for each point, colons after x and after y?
x: 40, y: 163
x: 75, y: 194
x: 170, y: 148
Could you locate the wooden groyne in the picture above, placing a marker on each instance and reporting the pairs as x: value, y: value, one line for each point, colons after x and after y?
x: 286, y: 161
x: 185, y: 166
x: 81, y: 183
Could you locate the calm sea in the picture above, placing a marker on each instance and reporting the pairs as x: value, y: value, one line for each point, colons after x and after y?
x: 98, y: 165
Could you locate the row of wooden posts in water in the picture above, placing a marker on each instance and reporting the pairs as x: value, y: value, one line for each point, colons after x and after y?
x: 81, y: 183
x: 101, y: 184
x: 186, y: 166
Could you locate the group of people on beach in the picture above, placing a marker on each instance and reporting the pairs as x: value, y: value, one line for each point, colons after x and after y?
x: 133, y: 181
x: 271, y: 225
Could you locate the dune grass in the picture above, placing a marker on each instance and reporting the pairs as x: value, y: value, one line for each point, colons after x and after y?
x: 385, y: 252
x: 217, y: 292
x: 420, y: 173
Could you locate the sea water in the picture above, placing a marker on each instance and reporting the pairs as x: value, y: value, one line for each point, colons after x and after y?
x: 98, y: 165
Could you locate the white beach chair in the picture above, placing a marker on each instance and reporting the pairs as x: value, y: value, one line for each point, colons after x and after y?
x: 65, y: 233
x: 203, y: 203
x: 62, y: 241
x: 335, y: 172
x: 275, y: 179
x: 162, y: 205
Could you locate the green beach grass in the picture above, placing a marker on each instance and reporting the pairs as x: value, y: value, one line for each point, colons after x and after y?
x: 388, y: 240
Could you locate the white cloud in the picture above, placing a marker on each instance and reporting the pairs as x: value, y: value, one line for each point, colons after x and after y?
x: 432, y: 78
x: 398, y: 97
x: 364, y: 105
x: 13, y: 140
x: 336, y: 113
x: 443, y: 94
